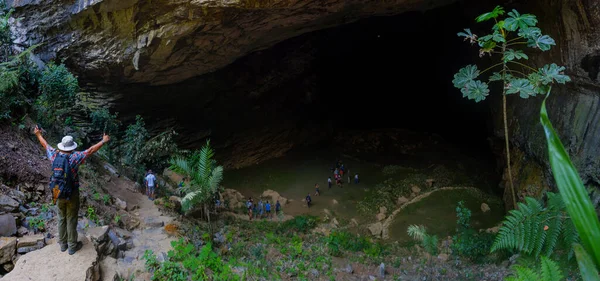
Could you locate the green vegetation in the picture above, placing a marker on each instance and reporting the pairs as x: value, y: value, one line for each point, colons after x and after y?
x: 91, y: 214
x: 204, y: 175
x: 549, y: 271
x: 577, y: 201
x: 135, y: 138
x: 58, y: 94
x: 468, y: 242
x: 37, y: 223
x: 507, y: 34
x: 429, y: 242
x: 536, y: 230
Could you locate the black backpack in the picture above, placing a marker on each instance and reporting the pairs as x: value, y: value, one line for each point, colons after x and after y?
x: 62, y: 177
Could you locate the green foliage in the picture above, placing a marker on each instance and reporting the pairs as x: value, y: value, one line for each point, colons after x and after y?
x: 91, y: 214
x: 534, y: 229
x: 524, y: 80
x: 37, y: 223
x: 429, y: 242
x: 343, y: 240
x: 204, y: 174
x: 104, y: 121
x: 577, y: 201
x: 157, y: 151
x: 548, y: 271
x: 106, y: 199
x: 185, y: 263
x: 58, y: 89
x: 299, y: 224
x: 117, y: 219
x: 135, y: 138
x: 468, y: 242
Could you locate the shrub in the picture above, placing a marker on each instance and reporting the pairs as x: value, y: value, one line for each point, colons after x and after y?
x: 343, y: 240
x: 58, y: 89
x: 468, y: 242
x: 136, y: 136
x: 429, y: 242
x: 302, y: 224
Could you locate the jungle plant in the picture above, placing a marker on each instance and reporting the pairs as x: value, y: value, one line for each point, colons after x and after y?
x: 58, y: 89
x: 507, y: 34
x: 136, y: 136
x: 577, y: 201
x: 549, y: 271
x: 468, y: 242
x: 535, y: 229
x: 205, y: 177
x: 429, y: 242
x: 91, y: 214
x: 106, y: 199
x: 117, y: 219
x: 37, y: 223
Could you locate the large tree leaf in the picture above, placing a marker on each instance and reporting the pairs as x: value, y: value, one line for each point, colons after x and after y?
x: 521, y: 86
x: 544, y: 42
x: 475, y: 90
x: 589, y: 272
x: 465, y: 75
x: 498, y: 11
x: 511, y: 54
x: 553, y: 73
x: 515, y: 21
x: 468, y: 35
x: 571, y: 188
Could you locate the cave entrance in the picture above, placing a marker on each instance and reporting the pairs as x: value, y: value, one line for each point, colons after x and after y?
x: 376, y: 94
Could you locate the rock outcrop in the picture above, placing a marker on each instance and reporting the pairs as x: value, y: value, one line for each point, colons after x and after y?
x: 83, y: 266
x: 166, y: 42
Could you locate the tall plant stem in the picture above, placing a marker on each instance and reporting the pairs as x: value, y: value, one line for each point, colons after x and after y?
x: 510, y: 178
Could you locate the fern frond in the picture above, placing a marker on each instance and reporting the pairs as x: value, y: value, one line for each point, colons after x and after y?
x: 182, y: 166
x: 205, y: 164
x: 524, y: 274
x: 189, y: 200
x: 550, y: 270
x: 534, y: 229
x: 417, y: 232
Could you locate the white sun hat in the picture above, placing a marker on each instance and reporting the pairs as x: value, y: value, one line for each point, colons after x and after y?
x: 67, y: 144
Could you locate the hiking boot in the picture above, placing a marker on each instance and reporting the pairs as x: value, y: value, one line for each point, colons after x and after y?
x: 63, y: 247
x: 77, y: 248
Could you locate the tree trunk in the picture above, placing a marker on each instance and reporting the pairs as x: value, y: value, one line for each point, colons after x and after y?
x: 506, y: 140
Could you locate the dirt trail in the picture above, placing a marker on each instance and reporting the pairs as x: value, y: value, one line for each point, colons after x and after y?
x: 150, y: 235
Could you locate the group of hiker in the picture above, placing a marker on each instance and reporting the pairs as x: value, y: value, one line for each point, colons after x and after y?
x: 338, y: 173
x: 261, y: 209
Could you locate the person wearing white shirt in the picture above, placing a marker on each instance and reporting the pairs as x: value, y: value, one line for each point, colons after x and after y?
x: 150, y: 185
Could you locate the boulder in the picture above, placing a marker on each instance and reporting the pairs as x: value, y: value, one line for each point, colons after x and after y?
x: 108, y: 268
x: 383, y: 210
x: 334, y: 202
x: 43, y: 264
x: 30, y: 240
x: 382, y: 270
x: 8, y: 266
x: 121, y: 204
x: 7, y: 204
x: 376, y: 229
x: 380, y: 216
x: 415, y: 189
x: 22, y: 231
x: 429, y: 183
x: 442, y: 257
x: 98, y: 234
x: 175, y: 201
x: 353, y: 222
x: 485, y: 208
x: 8, y: 246
x: 234, y: 198
x: 40, y: 188
x: 275, y: 196
x: 348, y: 269
x: 335, y: 222
x: 17, y: 195
x: 8, y: 225
x: 402, y: 200
x: 122, y: 233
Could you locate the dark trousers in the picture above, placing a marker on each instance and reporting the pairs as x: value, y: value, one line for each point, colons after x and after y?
x: 67, y: 220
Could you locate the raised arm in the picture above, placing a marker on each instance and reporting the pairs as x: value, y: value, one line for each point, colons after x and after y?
x: 99, y: 145
x: 38, y: 133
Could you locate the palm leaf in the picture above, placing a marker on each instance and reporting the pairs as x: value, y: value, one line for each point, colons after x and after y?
x: 215, y: 179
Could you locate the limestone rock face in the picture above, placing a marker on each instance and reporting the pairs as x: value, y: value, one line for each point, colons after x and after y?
x: 165, y: 42
x: 83, y: 265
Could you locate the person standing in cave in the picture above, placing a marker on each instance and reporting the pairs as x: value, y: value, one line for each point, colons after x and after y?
x: 260, y: 208
x: 277, y: 208
x: 249, y: 206
x: 268, y: 209
x: 317, y: 193
x: 68, y: 208
x: 151, y: 185
x: 329, y: 182
x: 356, y: 179
x: 308, y: 200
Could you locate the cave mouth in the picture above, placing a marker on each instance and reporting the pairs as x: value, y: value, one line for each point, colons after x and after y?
x: 324, y: 90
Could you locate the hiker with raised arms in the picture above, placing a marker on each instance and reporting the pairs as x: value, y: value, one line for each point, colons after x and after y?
x: 64, y: 184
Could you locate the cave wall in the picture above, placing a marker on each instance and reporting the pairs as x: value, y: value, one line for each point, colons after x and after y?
x: 168, y: 41
x: 574, y: 109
